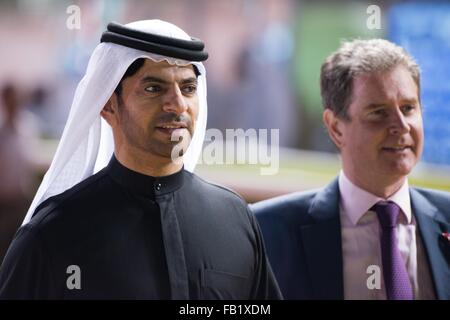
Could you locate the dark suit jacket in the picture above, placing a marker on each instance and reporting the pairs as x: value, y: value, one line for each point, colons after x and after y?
x: 302, y: 234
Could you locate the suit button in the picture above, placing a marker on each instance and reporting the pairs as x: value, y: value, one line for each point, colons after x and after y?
x: 158, y: 187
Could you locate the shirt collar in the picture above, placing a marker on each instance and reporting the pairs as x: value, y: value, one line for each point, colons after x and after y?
x: 356, y: 201
x: 141, y: 183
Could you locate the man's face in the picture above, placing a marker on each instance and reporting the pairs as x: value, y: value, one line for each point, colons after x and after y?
x: 158, y: 105
x: 383, y: 140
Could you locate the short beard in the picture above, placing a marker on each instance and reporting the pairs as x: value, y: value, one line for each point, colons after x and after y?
x: 141, y: 140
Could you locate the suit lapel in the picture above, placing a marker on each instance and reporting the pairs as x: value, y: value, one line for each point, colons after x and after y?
x: 431, y: 226
x: 322, y: 244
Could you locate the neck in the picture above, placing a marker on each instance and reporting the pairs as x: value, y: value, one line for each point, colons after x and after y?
x: 383, y: 188
x: 148, y: 164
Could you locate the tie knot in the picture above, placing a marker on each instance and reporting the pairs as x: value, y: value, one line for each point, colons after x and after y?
x: 387, y: 212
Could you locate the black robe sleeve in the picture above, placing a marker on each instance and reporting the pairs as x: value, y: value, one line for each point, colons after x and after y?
x: 265, y: 286
x: 25, y: 272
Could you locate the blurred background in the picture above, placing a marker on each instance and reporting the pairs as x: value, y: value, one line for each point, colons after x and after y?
x: 263, y: 73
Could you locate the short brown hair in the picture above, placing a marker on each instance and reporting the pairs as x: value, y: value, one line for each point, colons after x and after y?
x: 356, y: 57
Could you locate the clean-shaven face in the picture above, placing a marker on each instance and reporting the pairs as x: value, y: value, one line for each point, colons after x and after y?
x: 383, y: 140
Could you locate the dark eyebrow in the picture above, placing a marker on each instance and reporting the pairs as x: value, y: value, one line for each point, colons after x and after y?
x: 189, y: 80
x: 153, y: 79
x: 148, y: 79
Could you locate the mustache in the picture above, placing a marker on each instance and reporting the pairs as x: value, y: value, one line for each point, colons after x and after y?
x: 173, y: 117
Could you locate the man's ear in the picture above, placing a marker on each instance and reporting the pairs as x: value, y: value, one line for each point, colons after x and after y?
x: 334, y: 127
x: 110, y: 111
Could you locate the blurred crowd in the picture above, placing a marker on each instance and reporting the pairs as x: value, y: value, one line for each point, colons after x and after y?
x: 19, y: 131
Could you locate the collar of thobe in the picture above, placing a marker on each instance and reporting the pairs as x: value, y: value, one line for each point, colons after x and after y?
x: 143, y: 184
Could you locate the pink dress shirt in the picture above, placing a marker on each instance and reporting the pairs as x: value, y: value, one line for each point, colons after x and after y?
x: 361, y: 243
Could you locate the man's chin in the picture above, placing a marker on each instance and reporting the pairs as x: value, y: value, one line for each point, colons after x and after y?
x: 401, y: 168
x: 177, y: 151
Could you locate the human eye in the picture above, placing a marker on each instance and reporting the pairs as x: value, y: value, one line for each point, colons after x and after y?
x: 190, y: 88
x: 408, y: 108
x: 153, y: 88
x: 378, y: 113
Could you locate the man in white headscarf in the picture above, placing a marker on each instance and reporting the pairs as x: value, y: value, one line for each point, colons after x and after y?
x: 144, y: 226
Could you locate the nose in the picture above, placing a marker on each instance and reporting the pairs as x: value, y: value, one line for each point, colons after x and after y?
x: 174, y: 101
x: 399, y: 124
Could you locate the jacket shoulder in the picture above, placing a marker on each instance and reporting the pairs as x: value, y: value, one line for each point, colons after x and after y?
x: 290, y: 207
x: 439, y: 199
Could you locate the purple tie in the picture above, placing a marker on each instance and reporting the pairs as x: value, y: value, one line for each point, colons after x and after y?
x: 395, y: 275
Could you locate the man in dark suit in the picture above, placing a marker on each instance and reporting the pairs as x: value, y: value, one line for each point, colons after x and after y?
x: 367, y: 235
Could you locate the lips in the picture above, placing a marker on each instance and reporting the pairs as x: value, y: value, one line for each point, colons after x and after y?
x: 172, y: 125
x: 397, y: 149
x: 171, y: 128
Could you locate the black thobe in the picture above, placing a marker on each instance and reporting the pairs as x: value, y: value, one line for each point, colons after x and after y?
x: 133, y: 236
